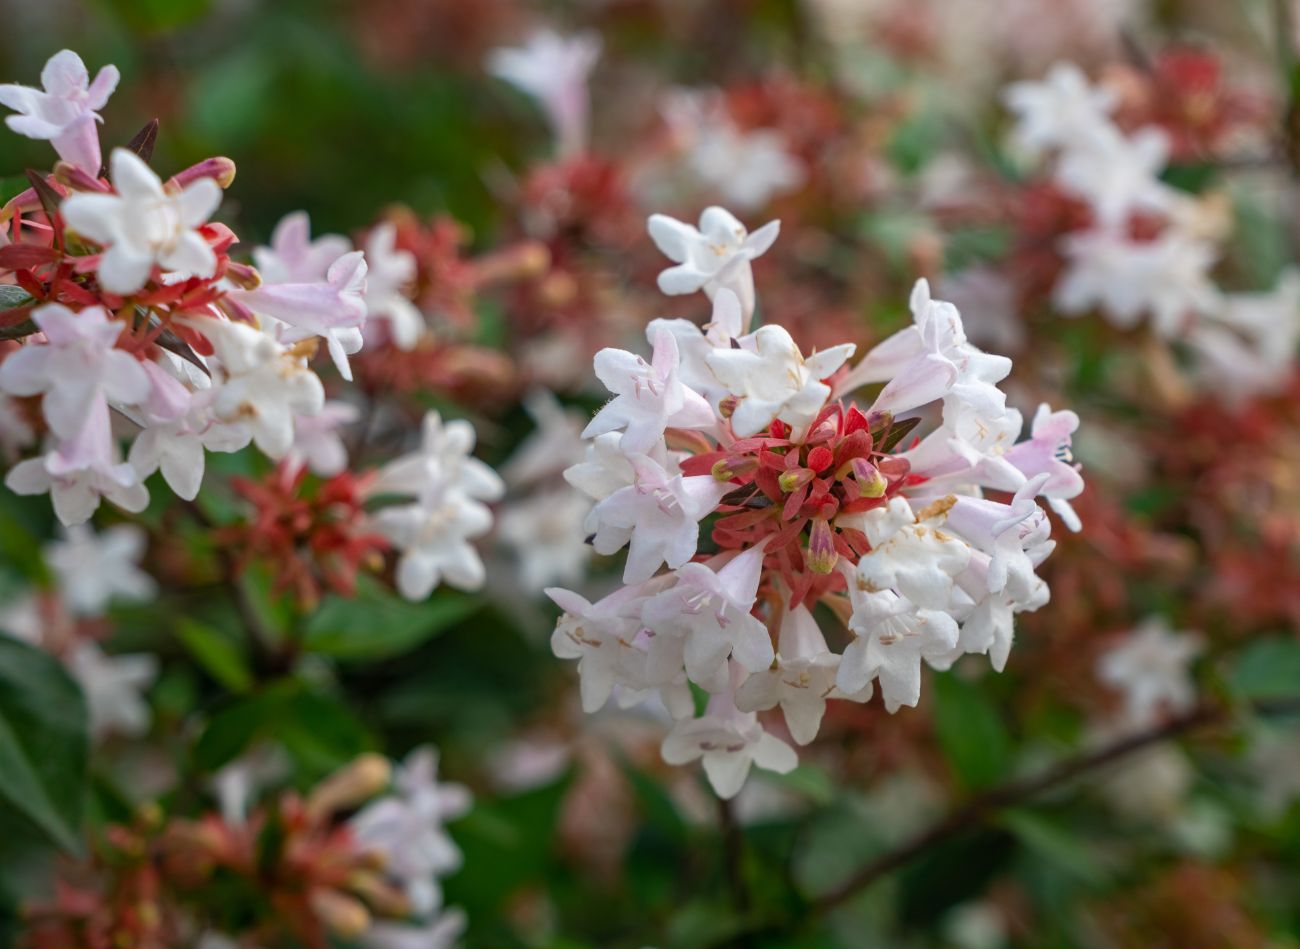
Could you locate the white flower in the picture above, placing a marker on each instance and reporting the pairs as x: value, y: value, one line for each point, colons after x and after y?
x: 649, y: 397
x: 177, y: 448
x: 709, y: 611
x: 407, y: 829
x: 554, y: 70
x: 143, y: 225
x: 1118, y: 174
x: 914, y: 559
x: 1167, y: 277
x: 293, y: 256
x: 442, y: 932
x: 79, y: 473
x: 67, y: 111
x: 264, y: 386
x: 442, y: 462
x: 893, y: 636
x: 659, y: 514
x: 602, y: 637
x: 391, y: 272
x: 694, y: 345
x: 113, y: 686
x: 553, y: 446
x: 745, y: 168
x: 1060, y: 111
x: 333, y: 308
x: 717, y: 255
x: 433, y: 536
x: 729, y: 742
x: 1152, y: 670
x: 77, y: 368
x: 94, y: 569
x: 775, y: 381
x: 604, y: 471
x: 317, y: 442
x: 545, y: 532
x: 801, y: 679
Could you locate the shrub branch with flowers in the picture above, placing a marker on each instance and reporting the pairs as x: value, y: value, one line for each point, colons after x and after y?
x: 302, y: 535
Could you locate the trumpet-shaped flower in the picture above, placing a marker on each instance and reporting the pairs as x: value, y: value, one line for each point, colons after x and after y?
x: 648, y: 396
x: 143, y: 225
x: 715, y: 255
x: 66, y: 111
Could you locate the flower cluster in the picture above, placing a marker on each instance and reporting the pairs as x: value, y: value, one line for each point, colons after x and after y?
x: 133, y: 311
x: 812, y: 501
x: 372, y: 878
x: 1148, y: 249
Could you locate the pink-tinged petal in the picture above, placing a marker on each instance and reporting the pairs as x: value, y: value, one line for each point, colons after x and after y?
x: 182, y: 467
x: 727, y: 772
x: 74, y: 501
x: 132, y: 178
x: 25, y: 372
x: 105, y: 85
x: 125, y: 378
x: 73, y: 404
x: 168, y: 399
x: 665, y: 357
x: 197, y: 202
x: 64, y: 74
x: 568, y: 601
x: 122, y: 270
x: 22, y: 99
x: 926, y: 380
x: 753, y: 646
x: 192, y: 255
x: 28, y: 477
x: 727, y: 318
x: 33, y: 126
x: 78, y: 144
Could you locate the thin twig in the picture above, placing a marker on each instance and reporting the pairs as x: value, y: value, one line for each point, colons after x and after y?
x: 979, y: 808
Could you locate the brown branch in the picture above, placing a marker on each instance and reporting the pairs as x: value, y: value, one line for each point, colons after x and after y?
x: 982, y: 806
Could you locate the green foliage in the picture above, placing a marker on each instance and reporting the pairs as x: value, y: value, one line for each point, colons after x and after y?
x: 376, y: 623
x: 969, y: 730
x: 43, y: 742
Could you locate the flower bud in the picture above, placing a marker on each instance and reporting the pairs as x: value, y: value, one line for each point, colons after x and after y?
x: 75, y: 179
x: 822, y: 555
x: 871, y: 483
x: 727, y: 407
x: 344, y: 915
x: 363, y: 778
x: 794, y: 479
x: 219, y: 169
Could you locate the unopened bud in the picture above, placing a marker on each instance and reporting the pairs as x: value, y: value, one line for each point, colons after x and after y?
x: 727, y: 407
x: 793, y: 479
x: 219, y: 169
x: 871, y: 483
x: 362, y: 779
x: 344, y: 915
x: 243, y: 275
x: 75, y: 179
x: 822, y: 555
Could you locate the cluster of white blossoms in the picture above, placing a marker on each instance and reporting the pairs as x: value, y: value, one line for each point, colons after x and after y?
x: 150, y: 328
x: 90, y: 572
x: 1244, y: 341
x: 445, y: 490
x: 407, y: 830
x: 813, y: 502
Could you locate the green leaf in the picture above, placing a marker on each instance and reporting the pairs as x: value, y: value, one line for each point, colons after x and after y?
x: 220, y: 655
x: 317, y: 731
x: 376, y: 624
x: 1268, y: 669
x: 1055, y: 844
x: 43, y: 742
x: 970, y: 732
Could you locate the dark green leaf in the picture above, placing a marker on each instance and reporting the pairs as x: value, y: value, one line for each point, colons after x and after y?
x: 1268, y: 669
x: 970, y: 732
x: 43, y: 742
x: 375, y: 623
x: 218, y: 653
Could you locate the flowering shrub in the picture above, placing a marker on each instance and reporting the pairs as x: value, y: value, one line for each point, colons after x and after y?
x: 309, y: 515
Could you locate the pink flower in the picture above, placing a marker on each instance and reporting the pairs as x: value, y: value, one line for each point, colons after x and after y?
x: 67, y: 111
